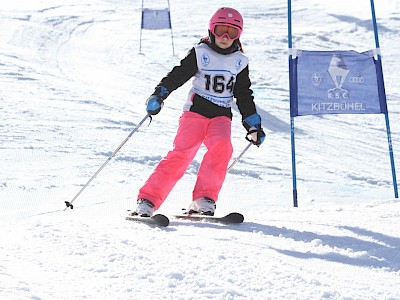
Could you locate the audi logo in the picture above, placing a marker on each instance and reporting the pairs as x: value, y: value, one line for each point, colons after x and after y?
x: 358, y: 80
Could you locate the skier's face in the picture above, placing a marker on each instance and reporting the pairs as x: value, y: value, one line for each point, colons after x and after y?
x: 224, y: 42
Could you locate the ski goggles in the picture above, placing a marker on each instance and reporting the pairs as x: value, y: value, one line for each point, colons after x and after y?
x: 226, y: 30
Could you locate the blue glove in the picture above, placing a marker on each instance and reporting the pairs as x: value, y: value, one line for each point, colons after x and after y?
x: 255, y: 133
x: 156, y: 101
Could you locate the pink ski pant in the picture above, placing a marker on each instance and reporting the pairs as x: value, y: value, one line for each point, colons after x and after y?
x: 193, y: 130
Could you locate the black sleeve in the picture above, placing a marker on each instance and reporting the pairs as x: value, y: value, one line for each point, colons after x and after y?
x: 243, y: 94
x: 182, y: 73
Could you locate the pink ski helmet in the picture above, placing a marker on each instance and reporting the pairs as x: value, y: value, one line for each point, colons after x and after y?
x: 229, y: 17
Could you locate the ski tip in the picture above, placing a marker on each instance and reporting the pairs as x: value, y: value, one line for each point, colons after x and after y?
x: 156, y: 220
x: 235, y: 217
x: 161, y: 220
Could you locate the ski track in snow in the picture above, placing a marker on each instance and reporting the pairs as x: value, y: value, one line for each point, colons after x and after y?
x: 74, y: 86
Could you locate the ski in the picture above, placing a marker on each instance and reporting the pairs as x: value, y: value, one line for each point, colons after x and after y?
x: 232, y: 218
x: 158, y: 220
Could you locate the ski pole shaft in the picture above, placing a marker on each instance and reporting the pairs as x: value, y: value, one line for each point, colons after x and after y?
x: 239, y: 157
x: 69, y: 203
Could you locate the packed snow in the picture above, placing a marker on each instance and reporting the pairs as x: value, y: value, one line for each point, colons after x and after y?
x: 73, y: 87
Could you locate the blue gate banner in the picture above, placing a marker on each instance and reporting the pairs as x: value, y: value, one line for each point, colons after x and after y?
x: 156, y: 19
x: 336, y: 82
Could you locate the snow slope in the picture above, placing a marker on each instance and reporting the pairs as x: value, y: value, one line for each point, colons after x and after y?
x: 73, y: 86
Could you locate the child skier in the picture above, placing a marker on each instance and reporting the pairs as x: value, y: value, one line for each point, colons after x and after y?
x: 220, y: 72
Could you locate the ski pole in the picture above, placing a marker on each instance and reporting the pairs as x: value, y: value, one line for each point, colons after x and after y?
x: 240, y: 155
x: 69, y: 203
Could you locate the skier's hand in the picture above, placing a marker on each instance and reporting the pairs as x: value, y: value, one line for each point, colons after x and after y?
x: 256, y: 136
x: 156, y: 101
x: 154, y: 105
x: 255, y: 133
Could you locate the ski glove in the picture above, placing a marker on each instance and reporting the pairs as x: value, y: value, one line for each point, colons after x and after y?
x: 255, y: 133
x: 156, y: 101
